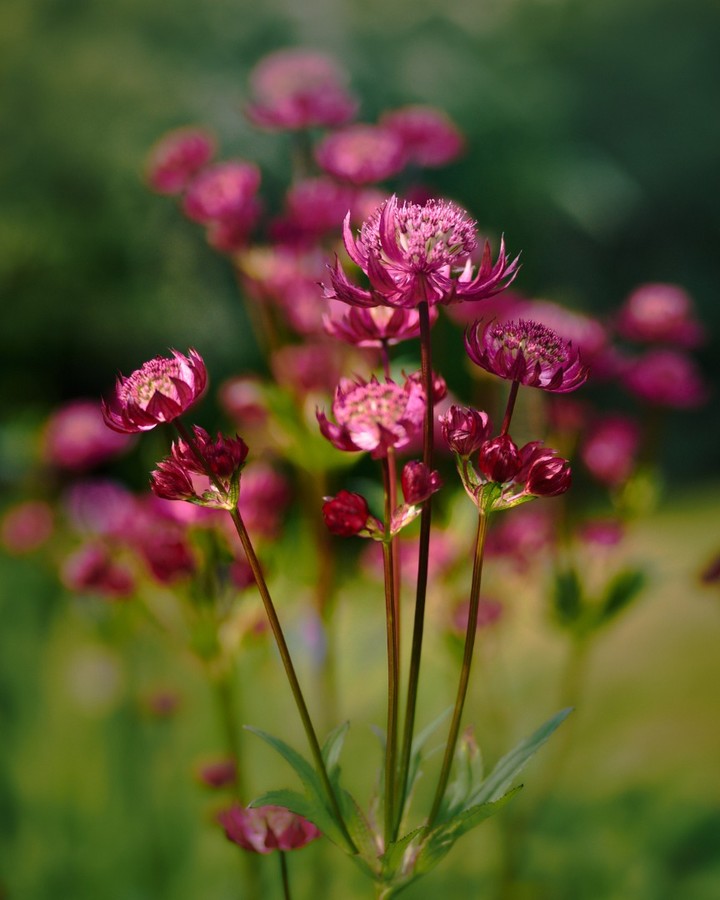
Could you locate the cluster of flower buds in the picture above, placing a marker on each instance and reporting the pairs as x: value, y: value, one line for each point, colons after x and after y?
x: 217, y: 461
x: 504, y: 475
x: 347, y: 514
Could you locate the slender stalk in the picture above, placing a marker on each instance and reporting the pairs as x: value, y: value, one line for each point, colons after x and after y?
x: 466, y: 664
x: 512, y: 397
x: 287, y: 662
x: 393, y: 665
x: 423, y: 559
x: 285, y: 878
x: 394, y: 546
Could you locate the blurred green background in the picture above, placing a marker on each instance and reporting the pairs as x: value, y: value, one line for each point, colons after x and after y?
x: 593, y: 145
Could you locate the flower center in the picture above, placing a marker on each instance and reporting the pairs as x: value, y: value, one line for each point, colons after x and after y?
x: 154, y: 377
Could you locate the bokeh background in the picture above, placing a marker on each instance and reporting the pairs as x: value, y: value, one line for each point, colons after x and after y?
x: 593, y: 141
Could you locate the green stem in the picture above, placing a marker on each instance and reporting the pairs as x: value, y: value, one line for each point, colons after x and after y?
x: 423, y: 559
x: 465, y: 670
x: 284, y: 875
x: 226, y: 699
x: 297, y: 693
x: 392, y: 662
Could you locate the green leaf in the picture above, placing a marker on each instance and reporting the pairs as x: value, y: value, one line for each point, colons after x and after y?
x: 513, y: 762
x: 620, y: 592
x: 304, y: 769
x: 468, y: 773
x: 359, y: 829
x: 332, y: 748
x: 393, y: 857
x: 567, y: 596
x: 418, y: 745
x: 442, y: 838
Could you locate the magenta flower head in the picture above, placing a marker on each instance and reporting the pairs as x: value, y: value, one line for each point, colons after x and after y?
x: 428, y: 136
x: 665, y: 377
x: 223, y: 192
x: 361, y: 154
x: 610, y: 449
x: 296, y: 89
x: 158, y: 392
x: 376, y: 325
x: 413, y: 253
x: 177, y: 157
x: 660, y: 313
x: 465, y: 429
x: 267, y: 828
x: 76, y: 438
x: 346, y: 514
x: 526, y: 352
x: 374, y: 415
x: 26, y: 526
x: 549, y: 476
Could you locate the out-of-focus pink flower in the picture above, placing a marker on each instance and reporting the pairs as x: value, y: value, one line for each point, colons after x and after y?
x: 27, y: 526
x: 264, y: 495
x: 160, y: 391
x: 361, y: 154
x: 267, y: 828
x: 521, y: 536
x: 490, y: 612
x: 465, y: 429
x: 162, y: 703
x: 610, y: 449
x: 217, y: 773
x: 428, y: 136
x: 660, y: 313
x: 418, y: 482
x: 376, y: 325
x: 163, y: 544
x: 346, y: 514
x: 374, y: 415
x: 243, y: 400
x: 526, y: 352
x: 413, y: 254
x: 312, y: 367
x: 602, y: 532
x: 222, y: 192
x: 666, y: 377
x: 501, y: 307
x: 92, y: 569
x: 101, y: 507
x: 177, y: 157
x: 231, y: 235
x: 297, y: 89
x: 317, y: 206
x: 76, y: 437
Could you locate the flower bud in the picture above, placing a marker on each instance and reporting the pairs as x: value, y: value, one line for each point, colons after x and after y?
x: 418, y: 482
x: 465, y: 429
x: 549, y: 477
x: 499, y: 459
x: 345, y: 514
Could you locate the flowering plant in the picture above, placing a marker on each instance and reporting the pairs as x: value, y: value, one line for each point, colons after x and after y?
x: 349, y: 270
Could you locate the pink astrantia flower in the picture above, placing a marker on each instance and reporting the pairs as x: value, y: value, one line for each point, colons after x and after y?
x: 267, y: 828
x: 76, y: 437
x: 414, y: 253
x: 160, y: 391
x: 428, y: 136
x: 218, y: 773
x: 296, y: 89
x: 92, y: 569
x: 100, y: 507
x: 177, y: 157
x: 528, y: 353
x: 418, y: 482
x: 376, y: 325
x: 264, y: 497
x: 361, y: 154
x: 587, y: 334
x: 224, y: 192
x: 610, y: 449
x: 665, y: 377
x: 465, y: 429
x: 318, y: 205
x: 374, y: 415
x: 660, y: 313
